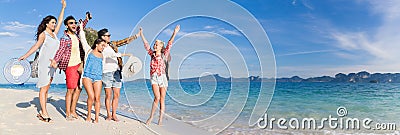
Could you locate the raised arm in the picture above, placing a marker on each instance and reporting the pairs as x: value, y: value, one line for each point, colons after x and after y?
x: 112, y: 54
x: 86, y: 46
x: 141, y: 35
x: 146, y: 44
x: 33, y: 49
x: 125, y: 41
x: 176, y: 30
x: 84, y: 22
x: 168, y: 47
x: 60, y: 17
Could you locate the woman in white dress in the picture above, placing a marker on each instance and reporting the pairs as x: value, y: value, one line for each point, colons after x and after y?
x: 46, y: 39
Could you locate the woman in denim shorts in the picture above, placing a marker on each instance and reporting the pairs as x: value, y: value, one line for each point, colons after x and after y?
x: 112, y: 71
x: 159, y: 81
x: 92, y: 76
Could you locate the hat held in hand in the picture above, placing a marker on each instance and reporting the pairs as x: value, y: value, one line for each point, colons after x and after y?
x: 131, y: 67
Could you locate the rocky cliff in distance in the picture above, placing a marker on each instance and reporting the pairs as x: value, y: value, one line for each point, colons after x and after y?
x: 360, y: 77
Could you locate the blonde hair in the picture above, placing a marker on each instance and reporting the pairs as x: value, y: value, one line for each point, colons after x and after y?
x: 162, y: 42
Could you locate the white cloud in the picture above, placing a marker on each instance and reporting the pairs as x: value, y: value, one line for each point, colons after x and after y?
x: 383, y: 44
x: 19, y: 48
x: 8, y: 34
x: 348, y: 56
x: 170, y: 31
x: 17, y: 26
x: 307, y: 52
x: 373, y: 51
x: 294, y: 2
x: 193, y: 35
x: 307, y: 4
x: 359, y: 41
x: 222, y: 31
x: 228, y: 32
x: 209, y: 27
x: 6, y: 1
x: 31, y: 42
x: 201, y: 35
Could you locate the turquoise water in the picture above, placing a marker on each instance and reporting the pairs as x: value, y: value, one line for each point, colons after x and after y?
x: 212, y: 106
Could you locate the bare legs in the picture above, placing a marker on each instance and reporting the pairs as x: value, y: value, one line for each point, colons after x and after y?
x: 163, y: 91
x: 75, y: 98
x: 107, y: 102
x: 87, y: 83
x: 43, y: 99
x: 93, y: 90
x: 159, y: 96
x: 71, y: 99
x: 114, y: 104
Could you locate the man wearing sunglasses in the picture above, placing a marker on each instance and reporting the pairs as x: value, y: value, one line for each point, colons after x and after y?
x: 112, y: 70
x: 69, y: 58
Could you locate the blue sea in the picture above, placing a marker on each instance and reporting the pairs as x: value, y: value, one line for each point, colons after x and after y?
x: 225, y: 107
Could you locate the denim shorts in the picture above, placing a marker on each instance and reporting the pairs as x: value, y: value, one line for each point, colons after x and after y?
x: 92, y: 77
x: 112, y: 79
x: 161, y: 81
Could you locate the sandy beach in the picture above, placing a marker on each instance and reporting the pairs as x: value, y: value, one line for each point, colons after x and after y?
x: 20, y: 107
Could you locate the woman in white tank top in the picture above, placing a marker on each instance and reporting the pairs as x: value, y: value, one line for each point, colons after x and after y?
x: 47, y: 40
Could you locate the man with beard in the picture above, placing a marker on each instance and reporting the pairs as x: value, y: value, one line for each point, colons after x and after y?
x: 69, y: 58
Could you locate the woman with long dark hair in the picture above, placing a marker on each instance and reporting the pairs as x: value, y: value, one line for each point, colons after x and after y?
x: 47, y: 41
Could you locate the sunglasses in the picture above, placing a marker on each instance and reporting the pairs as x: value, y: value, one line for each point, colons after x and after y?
x: 107, y: 35
x: 72, y: 22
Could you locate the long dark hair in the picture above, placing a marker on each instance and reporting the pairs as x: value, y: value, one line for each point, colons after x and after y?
x: 42, y: 25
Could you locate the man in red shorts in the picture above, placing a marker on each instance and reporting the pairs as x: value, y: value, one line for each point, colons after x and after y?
x: 70, y: 57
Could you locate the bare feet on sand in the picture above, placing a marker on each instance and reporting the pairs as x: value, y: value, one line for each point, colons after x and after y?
x: 69, y: 118
x: 149, y: 120
x: 108, y: 118
x: 160, y: 122
x: 75, y: 116
x: 115, y: 119
x: 88, y: 119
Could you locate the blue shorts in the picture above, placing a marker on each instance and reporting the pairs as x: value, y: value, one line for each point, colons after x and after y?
x: 112, y: 79
x: 93, y: 78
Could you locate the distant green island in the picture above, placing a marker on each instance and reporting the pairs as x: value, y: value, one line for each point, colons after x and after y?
x: 360, y: 77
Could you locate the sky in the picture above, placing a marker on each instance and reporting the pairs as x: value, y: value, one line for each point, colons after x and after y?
x: 308, y: 37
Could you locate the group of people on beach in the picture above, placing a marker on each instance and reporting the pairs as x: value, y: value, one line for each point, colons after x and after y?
x: 95, y: 66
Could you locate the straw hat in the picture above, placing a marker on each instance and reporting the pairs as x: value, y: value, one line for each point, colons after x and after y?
x: 131, y: 67
x: 17, y: 72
